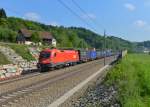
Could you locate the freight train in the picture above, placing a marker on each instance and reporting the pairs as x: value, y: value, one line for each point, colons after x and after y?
x: 57, y: 58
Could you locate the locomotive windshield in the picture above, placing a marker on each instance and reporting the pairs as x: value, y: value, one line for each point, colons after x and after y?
x: 45, y: 55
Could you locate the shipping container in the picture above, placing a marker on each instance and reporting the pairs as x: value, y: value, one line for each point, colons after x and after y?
x: 91, y: 54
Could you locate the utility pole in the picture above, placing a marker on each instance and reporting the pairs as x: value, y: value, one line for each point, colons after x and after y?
x: 104, y: 47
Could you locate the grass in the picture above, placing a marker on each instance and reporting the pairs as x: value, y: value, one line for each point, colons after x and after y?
x: 132, y: 77
x: 3, y: 60
x: 20, y: 49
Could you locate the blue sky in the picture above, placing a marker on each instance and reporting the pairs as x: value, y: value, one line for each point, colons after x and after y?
x: 128, y: 19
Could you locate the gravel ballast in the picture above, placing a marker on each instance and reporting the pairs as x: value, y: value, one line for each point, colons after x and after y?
x: 98, y: 94
x: 46, y: 95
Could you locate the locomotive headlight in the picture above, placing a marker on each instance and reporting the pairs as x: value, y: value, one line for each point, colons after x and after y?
x: 74, y: 56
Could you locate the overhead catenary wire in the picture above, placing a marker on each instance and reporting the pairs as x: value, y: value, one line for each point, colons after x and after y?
x: 76, y: 14
x: 66, y: 6
x: 94, y: 21
x: 89, y: 17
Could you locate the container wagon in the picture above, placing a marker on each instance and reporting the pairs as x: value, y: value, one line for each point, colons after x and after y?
x: 83, y: 55
x: 55, y: 58
x: 91, y: 54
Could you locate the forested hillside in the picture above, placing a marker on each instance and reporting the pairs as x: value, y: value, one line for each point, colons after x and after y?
x: 66, y: 37
x: 145, y: 44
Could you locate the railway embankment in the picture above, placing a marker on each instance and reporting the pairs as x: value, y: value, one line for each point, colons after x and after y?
x: 125, y: 85
x: 48, y: 87
x: 15, y: 60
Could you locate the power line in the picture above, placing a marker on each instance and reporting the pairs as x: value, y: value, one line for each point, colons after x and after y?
x: 83, y: 11
x: 94, y: 21
x: 66, y: 6
x: 74, y: 13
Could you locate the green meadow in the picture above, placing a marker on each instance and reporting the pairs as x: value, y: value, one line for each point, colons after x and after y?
x: 132, y: 78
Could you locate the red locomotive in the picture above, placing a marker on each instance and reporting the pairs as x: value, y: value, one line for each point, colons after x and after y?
x: 53, y: 58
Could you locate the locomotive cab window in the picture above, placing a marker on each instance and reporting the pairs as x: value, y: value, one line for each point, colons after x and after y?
x: 55, y: 54
x: 45, y: 55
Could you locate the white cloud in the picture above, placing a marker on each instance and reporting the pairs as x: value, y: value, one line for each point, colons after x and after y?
x: 32, y: 16
x: 130, y: 6
x: 140, y: 23
x: 89, y: 15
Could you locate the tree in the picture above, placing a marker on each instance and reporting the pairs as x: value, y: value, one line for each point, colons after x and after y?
x: 82, y: 44
x: 35, y: 37
x: 7, y: 35
x: 66, y: 37
x: 3, y: 13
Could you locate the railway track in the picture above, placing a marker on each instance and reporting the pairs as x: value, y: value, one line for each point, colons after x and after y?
x: 20, y: 78
x: 36, y: 78
x: 24, y: 76
x: 10, y: 96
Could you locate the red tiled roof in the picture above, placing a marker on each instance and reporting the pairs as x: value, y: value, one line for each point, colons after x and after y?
x: 44, y: 35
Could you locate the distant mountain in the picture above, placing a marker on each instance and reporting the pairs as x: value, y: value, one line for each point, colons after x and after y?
x: 145, y: 44
x: 142, y: 46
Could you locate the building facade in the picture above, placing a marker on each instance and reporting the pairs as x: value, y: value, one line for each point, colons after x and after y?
x: 24, y: 37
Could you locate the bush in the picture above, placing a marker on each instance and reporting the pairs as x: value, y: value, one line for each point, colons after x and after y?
x: 35, y: 37
x: 132, y: 77
x: 7, y: 35
x: 22, y: 50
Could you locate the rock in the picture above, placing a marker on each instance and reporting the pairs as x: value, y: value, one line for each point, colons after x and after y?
x: 34, y: 51
x: 13, y: 57
x: 100, y: 95
x: 10, y: 70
